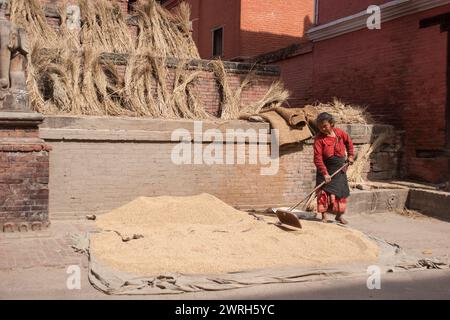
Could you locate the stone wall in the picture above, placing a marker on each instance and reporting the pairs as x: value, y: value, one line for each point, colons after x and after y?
x: 99, y: 164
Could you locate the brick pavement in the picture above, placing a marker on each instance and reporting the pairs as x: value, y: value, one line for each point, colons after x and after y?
x: 48, y: 248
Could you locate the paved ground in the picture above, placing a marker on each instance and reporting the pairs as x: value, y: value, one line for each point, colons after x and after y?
x: 33, y: 266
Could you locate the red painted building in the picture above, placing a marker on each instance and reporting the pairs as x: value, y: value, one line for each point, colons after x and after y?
x: 237, y: 29
x: 400, y: 71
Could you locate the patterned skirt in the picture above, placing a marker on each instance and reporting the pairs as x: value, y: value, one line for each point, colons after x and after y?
x: 328, y: 202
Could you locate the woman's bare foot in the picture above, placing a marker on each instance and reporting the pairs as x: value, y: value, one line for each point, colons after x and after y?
x: 324, y: 218
x: 340, y: 219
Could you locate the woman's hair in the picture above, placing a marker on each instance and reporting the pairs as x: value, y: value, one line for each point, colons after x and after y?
x: 325, y: 116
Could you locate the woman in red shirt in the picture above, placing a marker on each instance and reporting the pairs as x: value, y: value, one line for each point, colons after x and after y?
x: 332, y: 148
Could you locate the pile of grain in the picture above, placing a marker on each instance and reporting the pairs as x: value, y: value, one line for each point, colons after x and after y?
x: 203, y: 235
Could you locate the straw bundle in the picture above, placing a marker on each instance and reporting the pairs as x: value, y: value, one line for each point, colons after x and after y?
x: 166, y: 34
x: 230, y: 103
x: 68, y: 73
x: 185, y: 98
x: 104, y: 28
x: 355, y: 172
x: 345, y: 113
x: 275, y: 97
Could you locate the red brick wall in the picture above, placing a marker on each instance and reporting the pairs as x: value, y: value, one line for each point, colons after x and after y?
x: 399, y: 71
x: 213, y: 14
x: 251, y: 27
x: 209, y: 15
x: 24, y: 172
x: 267, y: 25
x: 297, y: 75
x: 330, y: 10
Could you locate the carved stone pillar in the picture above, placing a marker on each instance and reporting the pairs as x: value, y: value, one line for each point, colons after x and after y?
x: 24, y: 157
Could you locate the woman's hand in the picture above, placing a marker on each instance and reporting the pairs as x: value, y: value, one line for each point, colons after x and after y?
x: 327, y: 178
x: 351, y: 160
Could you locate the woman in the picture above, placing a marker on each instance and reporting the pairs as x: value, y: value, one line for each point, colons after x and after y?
x: 331, y: 148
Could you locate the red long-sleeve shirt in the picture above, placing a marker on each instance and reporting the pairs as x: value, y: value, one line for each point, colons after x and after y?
x: 326, y: 147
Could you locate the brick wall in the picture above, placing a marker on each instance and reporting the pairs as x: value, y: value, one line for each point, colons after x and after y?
x: 251, y: 27
x: 297, y: 75
x: 399, y: 71
x: 209, y: 15
x: 268, y: 25
x: 24, y: 170
x: 99, y: 164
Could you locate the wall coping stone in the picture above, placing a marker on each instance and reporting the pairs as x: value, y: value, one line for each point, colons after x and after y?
x: 389, y: 11
x: 18, y: 119
x: 97, y: 128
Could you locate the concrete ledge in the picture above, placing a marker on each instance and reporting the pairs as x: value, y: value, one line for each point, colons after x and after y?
x: 140, y: 130
x: 133, y: 136
x: 146, y: 124
x: 432, y: 203
x: 377, y: 201
x: 20, y: 118
x: 98, y: 128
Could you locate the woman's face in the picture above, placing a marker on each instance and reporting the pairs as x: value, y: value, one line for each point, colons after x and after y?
x: 325, y: 127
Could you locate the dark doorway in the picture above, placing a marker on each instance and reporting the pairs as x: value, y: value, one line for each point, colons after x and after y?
x: 443, y: 20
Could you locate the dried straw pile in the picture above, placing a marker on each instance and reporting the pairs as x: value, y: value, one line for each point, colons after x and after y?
x: 355, y: 172
x: 203, y: 235
x: 69, y: 73
x: 345, y: 113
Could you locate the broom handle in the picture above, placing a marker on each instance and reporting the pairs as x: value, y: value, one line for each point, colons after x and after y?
x: 317, y: 188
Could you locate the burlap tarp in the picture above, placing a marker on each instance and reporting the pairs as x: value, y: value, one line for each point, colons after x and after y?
x: 114, y: 282
x: 293, y: 124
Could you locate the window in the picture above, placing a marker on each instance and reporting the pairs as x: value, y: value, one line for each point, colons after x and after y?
x: 217, y: 49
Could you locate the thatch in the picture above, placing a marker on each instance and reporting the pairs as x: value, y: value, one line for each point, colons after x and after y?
x: 68, y: 73
x: 166, y: 34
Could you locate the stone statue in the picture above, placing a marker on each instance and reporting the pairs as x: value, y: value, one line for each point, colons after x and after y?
x: 13, y: 54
